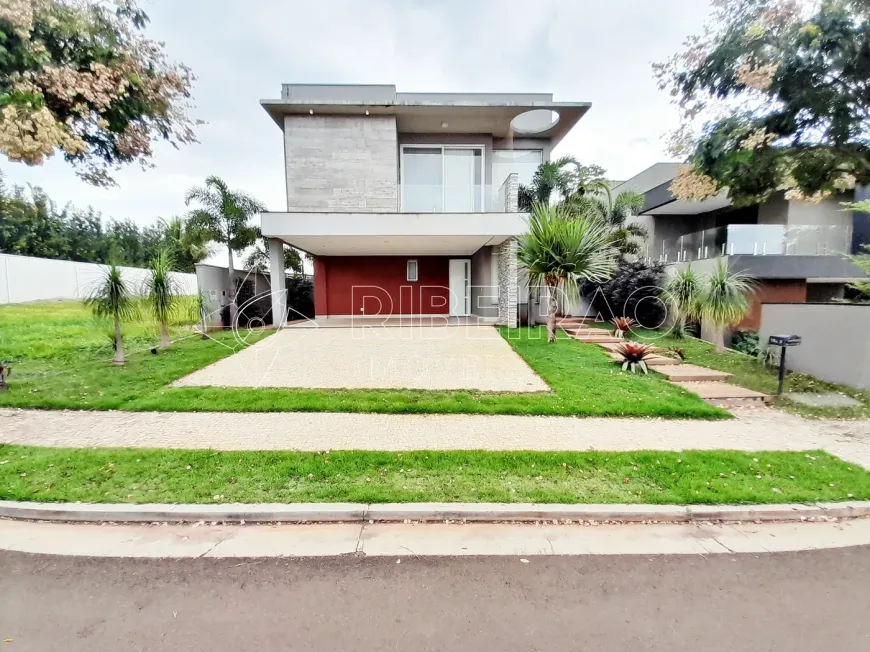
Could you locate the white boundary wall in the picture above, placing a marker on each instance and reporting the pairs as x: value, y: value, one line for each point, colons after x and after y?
x: 23, y: 278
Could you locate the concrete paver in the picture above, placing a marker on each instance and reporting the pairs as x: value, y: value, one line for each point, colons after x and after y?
x: 456, y: 357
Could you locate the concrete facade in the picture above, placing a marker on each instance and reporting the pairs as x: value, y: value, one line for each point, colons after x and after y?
x: 835, y: 345
x: 341, y: 163
x: 344, y: 174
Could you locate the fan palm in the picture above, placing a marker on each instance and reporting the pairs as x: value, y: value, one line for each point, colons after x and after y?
x: 187, y: 244
x: 563, y: 178
x: 723, y: 299
x: 224, y: 216
x: 559, y: 250
x: 162, y: 290
x: 681, y: 295
x: 111, y: 297
x: 614, y: 213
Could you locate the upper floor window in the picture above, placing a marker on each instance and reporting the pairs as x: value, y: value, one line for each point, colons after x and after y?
x: 412, y: 274
x: 442, y: 178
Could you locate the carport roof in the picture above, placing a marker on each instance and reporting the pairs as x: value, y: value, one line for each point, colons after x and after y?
x: 392, y: 234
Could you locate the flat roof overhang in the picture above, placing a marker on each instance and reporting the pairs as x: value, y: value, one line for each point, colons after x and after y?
x: 392, y: 234
x: 427, y: 117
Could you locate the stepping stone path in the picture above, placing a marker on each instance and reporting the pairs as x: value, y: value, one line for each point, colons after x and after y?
x: 709, y: 384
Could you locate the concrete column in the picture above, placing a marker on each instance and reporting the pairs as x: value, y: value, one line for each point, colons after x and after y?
x: 279, y: 282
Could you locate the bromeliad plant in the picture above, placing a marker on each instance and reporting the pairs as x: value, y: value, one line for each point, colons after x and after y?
x: 634, y: 356
x: 622, y: 326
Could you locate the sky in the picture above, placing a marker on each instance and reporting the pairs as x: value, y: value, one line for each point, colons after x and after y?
x: 242, y: 51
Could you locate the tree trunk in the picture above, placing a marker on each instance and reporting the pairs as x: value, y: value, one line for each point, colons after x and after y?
x: 719, y: 339
x: 552, y: 307
x: 164, y: 336
x: 231, y: 290
x: 119, y: 343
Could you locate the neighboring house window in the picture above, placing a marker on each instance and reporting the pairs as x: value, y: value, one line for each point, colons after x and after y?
x: 412, y: 270
x: 493, y: 274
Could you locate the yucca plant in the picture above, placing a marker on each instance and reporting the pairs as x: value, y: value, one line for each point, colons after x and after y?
x: 622, y: 325
x: 559, y: 250
x: 723, y: 299
x: 162, y: 290
x: 111, y: 297
x: 634, y: 356
x: 681, y: 295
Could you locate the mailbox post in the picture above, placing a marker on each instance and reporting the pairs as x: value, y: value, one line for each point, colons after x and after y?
x: 784, y: 342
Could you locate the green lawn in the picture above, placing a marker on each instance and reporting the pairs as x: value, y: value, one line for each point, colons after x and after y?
x: 179, y: 476
x: 60, y: 361
x: 749, y: 373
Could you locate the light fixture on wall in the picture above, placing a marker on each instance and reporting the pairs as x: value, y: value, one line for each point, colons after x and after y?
x: 367, y: 111
x: 311, y: 111
x: 444, y: 125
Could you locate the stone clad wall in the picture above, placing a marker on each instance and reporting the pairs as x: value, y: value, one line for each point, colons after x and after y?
x: 507, y: 283
x: 341, y: 163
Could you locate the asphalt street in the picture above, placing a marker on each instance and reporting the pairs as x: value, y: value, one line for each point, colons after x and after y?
x: 807, y: 601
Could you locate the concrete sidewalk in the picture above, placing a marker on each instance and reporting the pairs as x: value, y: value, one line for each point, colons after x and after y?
x: 753, y: 429
x: 403, y: 540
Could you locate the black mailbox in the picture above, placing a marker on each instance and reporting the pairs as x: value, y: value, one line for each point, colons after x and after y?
x: 785, y: 340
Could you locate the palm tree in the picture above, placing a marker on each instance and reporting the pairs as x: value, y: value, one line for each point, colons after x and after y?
x: 565, y: 177
x: 722, y: 300
x: 162, y: 291
x: 562, y: 249
x: 681, y: 294
x: 110, y: 297
x: 614, y: 213
x: 187, y: 244
x: 259, y: 259
x: 224, y: 216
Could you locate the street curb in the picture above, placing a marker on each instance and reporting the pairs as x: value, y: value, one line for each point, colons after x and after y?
x: 399, y: 512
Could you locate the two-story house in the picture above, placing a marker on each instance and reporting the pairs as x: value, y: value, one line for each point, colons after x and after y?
x: 407, y: 202
x: 796, y: 250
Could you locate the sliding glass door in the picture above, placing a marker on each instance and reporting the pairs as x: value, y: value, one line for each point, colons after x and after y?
x: 442, y: 179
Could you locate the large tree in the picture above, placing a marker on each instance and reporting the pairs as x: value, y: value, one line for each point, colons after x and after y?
x: 775, y: 95
x: 224, y: 216
x: 79, y: 77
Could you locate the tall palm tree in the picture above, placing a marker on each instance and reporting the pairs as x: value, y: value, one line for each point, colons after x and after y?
x: 259, y: 258
x: 562, y: 249
x: 187, y: 244
x: 614, y: 213
x: 560, y: 179
x: 224, y: 216
x: 723, y: 299
x: 162, y: 290
x: 111, y: 297
x: 681, y: 294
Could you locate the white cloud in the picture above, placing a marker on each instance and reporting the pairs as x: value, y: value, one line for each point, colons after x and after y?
x: 241, y: 52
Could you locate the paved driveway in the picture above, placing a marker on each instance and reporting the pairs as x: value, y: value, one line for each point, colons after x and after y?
x: 453, y: 357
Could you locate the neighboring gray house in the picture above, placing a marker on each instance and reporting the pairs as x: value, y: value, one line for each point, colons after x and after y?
x: 797, y: 250
x: 407, y: 202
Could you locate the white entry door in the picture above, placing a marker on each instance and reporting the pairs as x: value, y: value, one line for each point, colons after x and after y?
x: 460, y: 287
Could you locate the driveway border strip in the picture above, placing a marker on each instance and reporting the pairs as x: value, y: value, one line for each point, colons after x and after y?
x: 400, y: 512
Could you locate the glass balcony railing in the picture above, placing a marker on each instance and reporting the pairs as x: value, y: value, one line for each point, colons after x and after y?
x: 459, y: 198
x: 756, y: 240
